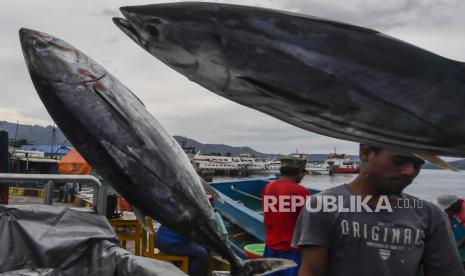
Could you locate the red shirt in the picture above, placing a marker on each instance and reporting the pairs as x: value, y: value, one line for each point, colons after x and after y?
x: 461, y: 214
x: 280, y: 214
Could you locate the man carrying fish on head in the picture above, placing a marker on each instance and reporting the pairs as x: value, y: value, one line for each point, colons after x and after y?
x: 280, y: 220
x: 370, y: 226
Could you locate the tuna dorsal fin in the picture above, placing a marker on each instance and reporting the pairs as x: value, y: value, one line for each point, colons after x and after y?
x: 141, y: 218
x: 437, y: 161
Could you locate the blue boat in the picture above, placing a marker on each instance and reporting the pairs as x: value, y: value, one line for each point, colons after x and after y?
x: 243, y: 207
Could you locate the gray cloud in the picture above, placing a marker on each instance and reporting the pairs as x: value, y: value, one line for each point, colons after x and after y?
x: 383, y: 15
x: 183, y: 107
x: 110, y: 12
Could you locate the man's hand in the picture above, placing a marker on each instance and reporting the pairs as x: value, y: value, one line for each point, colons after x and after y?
x: 314, y: 259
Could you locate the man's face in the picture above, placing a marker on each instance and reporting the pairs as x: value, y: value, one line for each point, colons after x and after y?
x: 390, y: 171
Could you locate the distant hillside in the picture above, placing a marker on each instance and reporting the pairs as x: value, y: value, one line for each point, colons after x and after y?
x: 430, y: 166
x: 219, y: 148
x: 459, y: 164
x: 235, y: 151
x: 37, y: 135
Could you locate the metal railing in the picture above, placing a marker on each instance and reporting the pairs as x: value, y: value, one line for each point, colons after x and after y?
x: 98, y: 199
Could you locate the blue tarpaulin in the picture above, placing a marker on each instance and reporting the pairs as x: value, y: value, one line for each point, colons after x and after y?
x: 48, y: 149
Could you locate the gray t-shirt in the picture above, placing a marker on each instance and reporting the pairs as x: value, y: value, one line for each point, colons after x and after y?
x: 381, y: 243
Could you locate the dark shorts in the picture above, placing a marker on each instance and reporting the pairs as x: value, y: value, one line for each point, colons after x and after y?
x: 290, y: 255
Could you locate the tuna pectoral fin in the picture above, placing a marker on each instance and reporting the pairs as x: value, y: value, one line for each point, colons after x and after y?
x: 142, y: 220
x: 209, y: 189
x: 264, y: 266
x: 436, y: 160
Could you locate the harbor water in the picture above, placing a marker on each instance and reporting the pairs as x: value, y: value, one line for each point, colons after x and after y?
x: 427, y: 185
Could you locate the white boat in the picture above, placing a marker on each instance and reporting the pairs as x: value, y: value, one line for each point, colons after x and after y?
x: 208, y: 162
x: 273, y: 166
x: 250, y: 164
x: 312, y: 168
x: 318, y: 168
x: 243, y: 162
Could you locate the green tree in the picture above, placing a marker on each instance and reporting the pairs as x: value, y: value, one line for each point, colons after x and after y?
x: 18, y: 143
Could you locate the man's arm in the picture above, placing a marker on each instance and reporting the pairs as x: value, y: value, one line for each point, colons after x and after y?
x: 314, y: 259
x: 313, y: 234
x: 440, y: 256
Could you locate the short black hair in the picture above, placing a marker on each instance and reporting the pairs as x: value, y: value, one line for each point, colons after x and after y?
x: 375, y: 149
x: 289, y: 171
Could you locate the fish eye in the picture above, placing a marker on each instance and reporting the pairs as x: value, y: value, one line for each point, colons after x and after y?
x: 152, y: 30
x: 39, y: 44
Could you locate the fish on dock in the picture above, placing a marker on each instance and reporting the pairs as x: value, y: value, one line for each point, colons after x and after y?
x: 116, y: 134
x: 328, y: 77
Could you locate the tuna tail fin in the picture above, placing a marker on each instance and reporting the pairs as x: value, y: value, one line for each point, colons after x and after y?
x: 262, y: 266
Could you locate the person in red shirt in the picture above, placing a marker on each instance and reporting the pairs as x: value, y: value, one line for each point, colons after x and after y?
x: 283, y: 199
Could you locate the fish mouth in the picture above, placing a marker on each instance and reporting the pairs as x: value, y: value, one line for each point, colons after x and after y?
x: 31, y: 40
x: 55, y: 60
x: 127, y: 28
x: 26, y: 34
x: 39, y: 40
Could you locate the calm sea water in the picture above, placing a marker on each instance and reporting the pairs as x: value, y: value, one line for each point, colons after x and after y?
x: 427, y: 185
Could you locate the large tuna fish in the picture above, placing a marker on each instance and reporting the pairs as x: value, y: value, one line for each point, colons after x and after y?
x: 114, y: 132
x: 335, y: 79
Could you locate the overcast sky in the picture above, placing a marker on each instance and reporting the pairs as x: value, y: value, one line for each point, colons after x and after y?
x: 183, y: 107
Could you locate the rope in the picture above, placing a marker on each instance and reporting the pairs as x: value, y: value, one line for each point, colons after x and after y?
x: 244, y: 193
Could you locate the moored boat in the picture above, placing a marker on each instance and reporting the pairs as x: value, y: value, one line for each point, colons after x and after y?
x: 318, y: 168
x: 342, y: 163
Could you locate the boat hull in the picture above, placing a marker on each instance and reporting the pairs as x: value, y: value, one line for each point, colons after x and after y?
x: 346, y: 170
